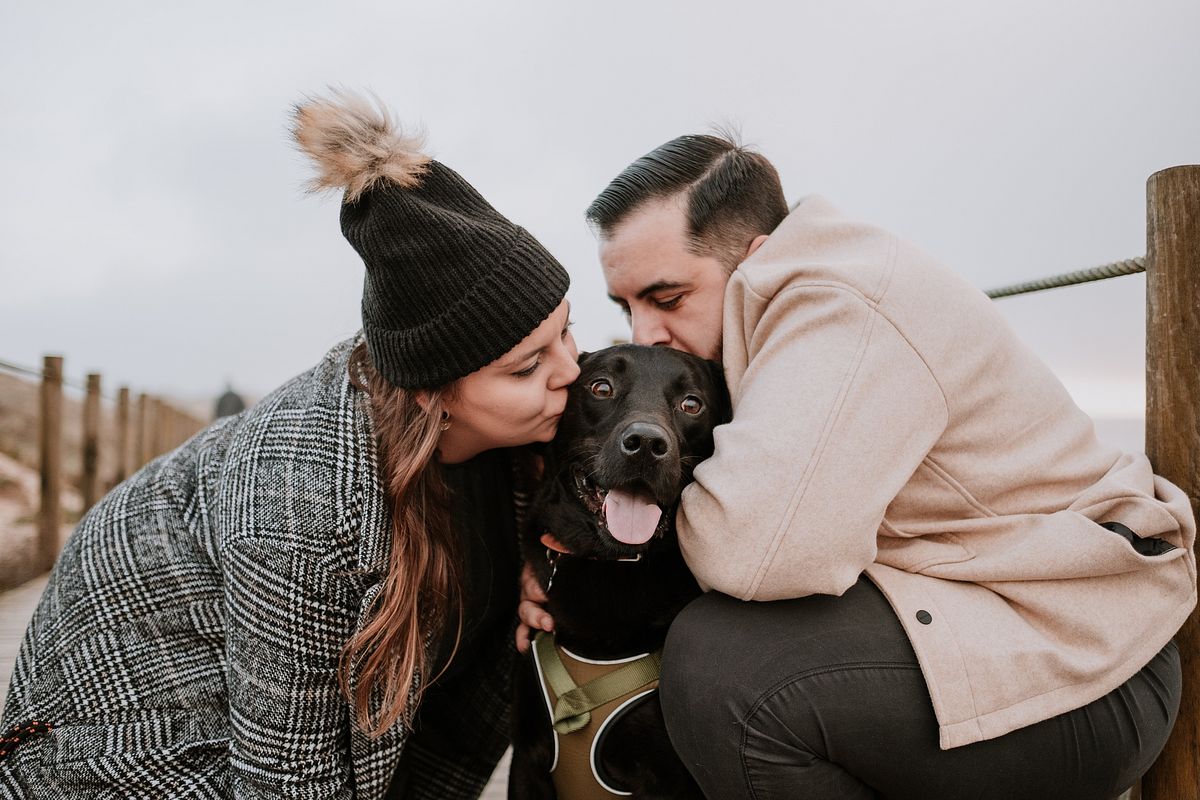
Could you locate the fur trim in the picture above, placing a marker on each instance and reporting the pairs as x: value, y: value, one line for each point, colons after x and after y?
x: 355, y: 143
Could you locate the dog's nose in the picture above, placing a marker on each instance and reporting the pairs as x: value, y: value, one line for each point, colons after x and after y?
x: 646, y: 438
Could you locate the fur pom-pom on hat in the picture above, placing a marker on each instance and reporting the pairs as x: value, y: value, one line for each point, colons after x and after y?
x: 355, y: 143
x: 451, y: 283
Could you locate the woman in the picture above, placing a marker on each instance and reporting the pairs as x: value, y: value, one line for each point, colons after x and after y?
x: 262, y: 612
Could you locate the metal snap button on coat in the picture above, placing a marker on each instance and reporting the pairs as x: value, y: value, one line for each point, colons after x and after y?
x: 924, y: 617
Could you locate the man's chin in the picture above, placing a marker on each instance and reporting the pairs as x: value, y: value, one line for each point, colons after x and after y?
x: 709, y: 350
x: 712, y: 352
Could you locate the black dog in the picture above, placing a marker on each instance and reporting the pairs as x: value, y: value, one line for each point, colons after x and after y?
x: 601, y: 539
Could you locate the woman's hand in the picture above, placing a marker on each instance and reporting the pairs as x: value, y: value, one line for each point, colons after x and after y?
x: 530, y: 610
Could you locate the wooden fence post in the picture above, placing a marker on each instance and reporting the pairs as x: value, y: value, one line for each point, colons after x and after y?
x: 89, y: 478
x: 173, y: 428
x: 158, y: 428
x: 122, y: 471
x: 1173, y: 424
x: 145, y: 422
x: 50, y: 516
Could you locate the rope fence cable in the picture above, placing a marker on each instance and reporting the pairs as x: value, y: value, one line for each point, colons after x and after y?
x: 1129, y: 266
x: 17, y: 369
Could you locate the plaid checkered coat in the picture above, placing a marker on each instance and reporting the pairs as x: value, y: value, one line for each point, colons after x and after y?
x: 188, y: 642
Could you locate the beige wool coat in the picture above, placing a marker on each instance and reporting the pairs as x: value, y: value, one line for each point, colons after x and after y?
x: 888, y: 420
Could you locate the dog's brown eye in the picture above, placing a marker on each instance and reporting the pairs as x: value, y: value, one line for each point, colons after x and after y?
x: 602, y: 389
x: 691, y: 405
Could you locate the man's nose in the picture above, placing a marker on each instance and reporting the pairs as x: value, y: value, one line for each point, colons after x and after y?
x: 648, y: 329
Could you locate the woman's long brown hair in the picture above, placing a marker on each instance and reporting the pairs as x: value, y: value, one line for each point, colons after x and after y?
x: 422, y: 590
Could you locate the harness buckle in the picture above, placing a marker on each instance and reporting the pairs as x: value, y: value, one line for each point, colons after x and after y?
x: 552, y: 559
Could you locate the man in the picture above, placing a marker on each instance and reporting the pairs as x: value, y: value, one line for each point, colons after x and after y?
x: 970, y: 594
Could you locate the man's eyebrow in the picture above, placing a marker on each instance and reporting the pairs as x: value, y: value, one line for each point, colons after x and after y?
x: 657, y: 286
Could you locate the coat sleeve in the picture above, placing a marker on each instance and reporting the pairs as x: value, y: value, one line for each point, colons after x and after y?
x: 287, y: 623
x: 834, y: 413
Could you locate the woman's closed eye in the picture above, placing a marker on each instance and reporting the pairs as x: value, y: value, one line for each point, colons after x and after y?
x: 532, y: 368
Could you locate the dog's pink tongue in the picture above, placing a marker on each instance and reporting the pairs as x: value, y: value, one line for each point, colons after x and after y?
x: 631, y: 518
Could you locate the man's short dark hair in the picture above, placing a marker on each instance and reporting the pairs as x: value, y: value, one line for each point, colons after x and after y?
x: 733, y: 194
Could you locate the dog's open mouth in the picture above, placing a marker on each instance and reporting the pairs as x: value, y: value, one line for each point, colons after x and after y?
x: 631, y: 514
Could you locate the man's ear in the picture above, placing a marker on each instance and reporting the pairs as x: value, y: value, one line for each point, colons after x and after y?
x: 755, y: 243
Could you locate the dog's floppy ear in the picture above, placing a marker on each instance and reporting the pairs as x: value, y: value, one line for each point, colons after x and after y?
x: 721, y: 398
x: 583, y: 357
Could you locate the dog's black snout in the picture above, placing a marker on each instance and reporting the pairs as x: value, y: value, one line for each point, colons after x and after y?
x: 645, y: 438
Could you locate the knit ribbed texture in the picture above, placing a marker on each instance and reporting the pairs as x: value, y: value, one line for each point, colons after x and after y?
x: 451, y: 284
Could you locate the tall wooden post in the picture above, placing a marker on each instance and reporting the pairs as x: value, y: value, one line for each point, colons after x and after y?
x: 142, y: 449
x: 1173, y: 424
x: 122, y: 471
x: 173, y: 432
x: 158, y: 426
x: 90, y: 478
x: 50, y: 516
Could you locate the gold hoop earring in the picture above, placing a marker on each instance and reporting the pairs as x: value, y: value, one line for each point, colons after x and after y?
x: 445, y: 420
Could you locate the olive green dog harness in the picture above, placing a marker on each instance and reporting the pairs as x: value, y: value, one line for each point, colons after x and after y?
x: 583, y: 697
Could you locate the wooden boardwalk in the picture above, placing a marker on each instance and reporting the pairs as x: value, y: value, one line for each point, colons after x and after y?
x: 16, y: 607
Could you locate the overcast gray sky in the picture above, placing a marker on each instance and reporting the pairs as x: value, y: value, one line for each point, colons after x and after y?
x: 152, y: 225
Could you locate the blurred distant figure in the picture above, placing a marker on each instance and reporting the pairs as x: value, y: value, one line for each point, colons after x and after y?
x: 229, y: 403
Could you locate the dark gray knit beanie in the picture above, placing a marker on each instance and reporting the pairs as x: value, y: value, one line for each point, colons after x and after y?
x: 451, y: 284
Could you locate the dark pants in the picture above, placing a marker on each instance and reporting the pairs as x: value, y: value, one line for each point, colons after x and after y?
x: 822, y: 697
